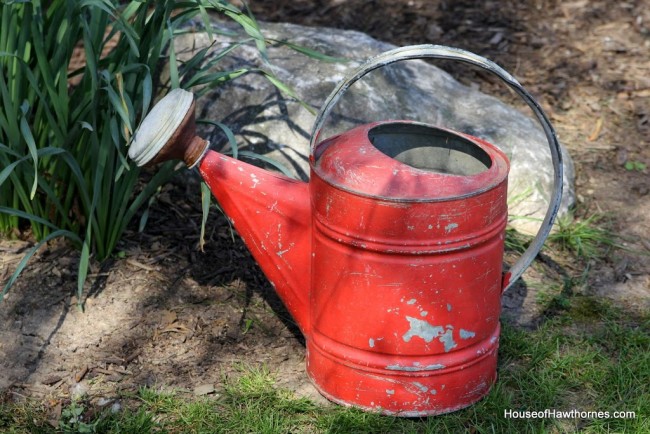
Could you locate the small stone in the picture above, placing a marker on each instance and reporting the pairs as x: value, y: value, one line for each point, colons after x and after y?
x: 51, y: 379
x: 78, y: 391
x: 116, y: 407
x: 101, y: 402
x: 204, y: 389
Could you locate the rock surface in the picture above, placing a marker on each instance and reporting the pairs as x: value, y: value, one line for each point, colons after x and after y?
x: 264, y: 121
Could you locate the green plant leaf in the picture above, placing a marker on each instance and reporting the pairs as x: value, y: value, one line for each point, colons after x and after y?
x: 215, y: 59
x: 43, y: 152
x: 35, y: 218
x: 215, y: 78
x: 267, y: 160
x: 163, y: 174
x: 23, y: 262
x: 84, y: 263
x: 310, y: 52
x: 206, y: 196
x: 635, y: 166
x: 9, y: 169
x: 31, y: 145
x: 287, y: 90
x: 206, y: 20
x: 227, y: 131
x: 120, y: 107
x: 251, y: 27
x: 120, y: 23
x: 147, y: 90
x: 173, y: 67
x: 195, y: 61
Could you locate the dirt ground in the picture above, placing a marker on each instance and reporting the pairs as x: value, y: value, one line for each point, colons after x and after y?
x: 164, y: 314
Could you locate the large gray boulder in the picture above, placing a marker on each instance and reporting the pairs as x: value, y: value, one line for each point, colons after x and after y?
x: 267, y: 122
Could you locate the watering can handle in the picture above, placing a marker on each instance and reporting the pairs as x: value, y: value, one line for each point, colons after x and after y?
x: 449, y: 53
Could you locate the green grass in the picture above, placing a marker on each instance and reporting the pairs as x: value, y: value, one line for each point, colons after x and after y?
x: 590, y: 357
x: 586, y: 238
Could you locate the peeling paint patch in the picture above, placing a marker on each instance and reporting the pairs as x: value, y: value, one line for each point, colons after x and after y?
x: 255, y: 180
x: 466, y: 334
x: 416, y: 367
x: 422, y: 329
x: 424, y: 313
x: 421, y: 386
x: 478, y: 389
x: 429, y: 332
x: 448, y: 307
x: 450, y: 227
x: 433, y: 391
x: 371, y: 343
x: 448, y: 340
x: 411, y: 301
x: 390, y: 391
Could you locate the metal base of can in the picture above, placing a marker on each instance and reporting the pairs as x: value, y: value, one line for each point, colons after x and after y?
x: 404, y: 387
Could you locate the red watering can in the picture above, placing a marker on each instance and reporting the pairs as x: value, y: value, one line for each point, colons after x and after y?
x: 390, y: 258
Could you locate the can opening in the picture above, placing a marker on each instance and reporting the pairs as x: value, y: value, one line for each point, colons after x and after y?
x: 428, y: 148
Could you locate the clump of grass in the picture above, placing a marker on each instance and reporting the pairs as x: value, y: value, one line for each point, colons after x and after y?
x: 252, y: 403
x: 585, y: 238
x: 515, y: 241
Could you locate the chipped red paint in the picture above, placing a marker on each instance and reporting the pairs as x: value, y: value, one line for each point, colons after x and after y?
x: 392, y: 273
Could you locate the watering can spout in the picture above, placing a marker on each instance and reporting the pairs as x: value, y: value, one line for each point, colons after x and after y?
x: 271, y: 212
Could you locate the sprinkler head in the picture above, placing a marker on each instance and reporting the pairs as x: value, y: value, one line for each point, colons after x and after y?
x: 169, y: 133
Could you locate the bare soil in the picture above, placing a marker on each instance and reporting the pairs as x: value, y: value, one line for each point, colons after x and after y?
x: 164, y: 314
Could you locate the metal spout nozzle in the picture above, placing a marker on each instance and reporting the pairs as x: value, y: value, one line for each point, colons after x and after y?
x: 169, y: 133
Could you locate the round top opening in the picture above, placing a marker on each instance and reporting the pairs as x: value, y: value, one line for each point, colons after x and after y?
x: 430, y: 149
x: 404, y: 161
